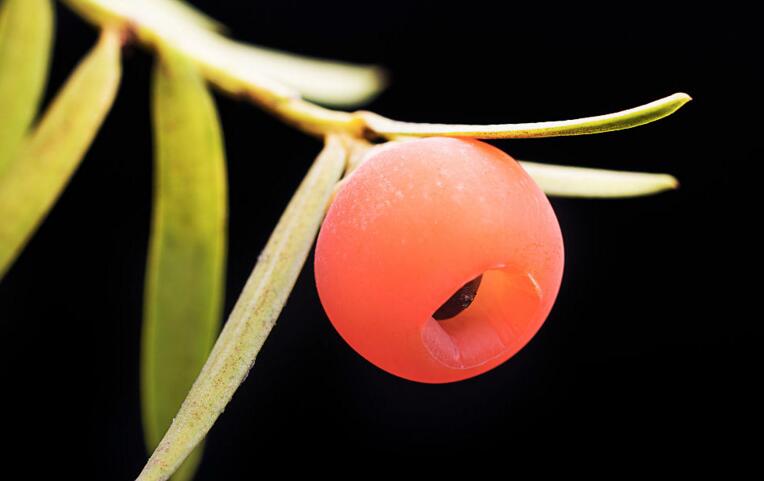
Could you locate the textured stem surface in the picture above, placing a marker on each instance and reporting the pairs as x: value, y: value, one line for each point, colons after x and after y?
x: 238, y: 68
x: 254, y: 315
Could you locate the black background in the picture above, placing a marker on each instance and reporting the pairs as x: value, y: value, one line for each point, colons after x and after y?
x: 649, y: 351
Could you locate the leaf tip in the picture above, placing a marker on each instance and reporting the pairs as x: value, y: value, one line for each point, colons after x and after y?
x: 670, y: 182
x: 662, y: 183
x: 380, y: 76
x: 679, y: 99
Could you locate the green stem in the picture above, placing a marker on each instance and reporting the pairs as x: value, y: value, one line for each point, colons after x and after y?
x: 254, y: 315
x: 242, y: 70
x: 224, y: 64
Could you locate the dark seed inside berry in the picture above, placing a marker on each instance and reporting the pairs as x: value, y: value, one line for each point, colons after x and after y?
x: 460, y: 301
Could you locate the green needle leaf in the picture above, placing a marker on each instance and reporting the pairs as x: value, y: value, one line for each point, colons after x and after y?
x: 333, y: 83
x: 26, y: 28
x: 625, y: 119
x: 563, y: 181
x: 48, y: 157
x: 235, y: 67
x: 186, y: 264
x: 254, y: 315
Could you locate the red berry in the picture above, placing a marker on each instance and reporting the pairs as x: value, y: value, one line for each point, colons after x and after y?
x: 411, y: 232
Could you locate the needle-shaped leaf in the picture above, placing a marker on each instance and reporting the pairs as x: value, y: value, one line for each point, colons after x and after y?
x: 254, y: 315
x: 332, y: 83
x: 48, y: 157
x: 625, y: 119
x: 563, y: 181
x: 235, y: 67
x: 26, y: 28
x: 186, y: 265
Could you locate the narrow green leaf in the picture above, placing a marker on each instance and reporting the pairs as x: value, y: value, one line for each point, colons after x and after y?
x: 26, y: 29
x: 563, y: 181
x: 45, y: 160
x: 333, y: 83
x: 254, y: 315
x: 235, y: 67
x: 186, y: 265
x: 625, y: 119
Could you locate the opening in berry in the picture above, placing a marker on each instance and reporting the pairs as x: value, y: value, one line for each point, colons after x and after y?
x: 460, y: 301
x: 501, y: 318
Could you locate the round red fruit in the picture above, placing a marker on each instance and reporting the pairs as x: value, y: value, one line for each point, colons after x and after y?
x: 438, y: 259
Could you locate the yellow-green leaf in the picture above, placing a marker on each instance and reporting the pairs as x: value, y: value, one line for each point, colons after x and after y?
x: 563, y: 181
x: 48, y: 157
x: 254, y: 315
x: 236, y: 67
x: 334, y: 83
x: 186, y: 265
x: 26, y: 28
x: 625, y: 119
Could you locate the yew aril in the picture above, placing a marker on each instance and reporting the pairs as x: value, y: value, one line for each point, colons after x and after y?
x: 438, y: 225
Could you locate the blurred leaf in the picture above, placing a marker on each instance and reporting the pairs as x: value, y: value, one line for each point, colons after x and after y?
x: 186, y: 266
x: 236, y: 67
x: 48, y: 157
x: 26, y: 28
x: 179, y: 8
x: 331, y: 83
x: 254, y: 315
x: 625, y: 119
x: 563, y: 181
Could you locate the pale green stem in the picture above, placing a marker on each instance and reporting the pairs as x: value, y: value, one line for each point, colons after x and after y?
x: 220, y: 62
x: 268, y: 77
x: 254, y: 315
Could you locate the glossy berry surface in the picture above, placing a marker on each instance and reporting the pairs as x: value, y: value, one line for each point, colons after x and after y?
x: 411, y: 233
